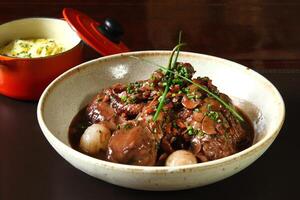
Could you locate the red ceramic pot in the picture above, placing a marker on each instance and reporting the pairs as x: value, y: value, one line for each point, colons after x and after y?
x: 26, y: 78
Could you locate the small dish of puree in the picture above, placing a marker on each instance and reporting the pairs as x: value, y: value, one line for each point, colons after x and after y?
x: 32, y: 48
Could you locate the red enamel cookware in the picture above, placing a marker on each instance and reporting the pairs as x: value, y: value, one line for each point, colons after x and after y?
x: 26, y: 78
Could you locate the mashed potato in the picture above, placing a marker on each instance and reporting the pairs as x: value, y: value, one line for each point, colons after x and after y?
x: 32, y: 48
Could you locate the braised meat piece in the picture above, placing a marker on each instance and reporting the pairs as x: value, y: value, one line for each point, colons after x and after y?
x: 190, y: 120
x: 132, y: 145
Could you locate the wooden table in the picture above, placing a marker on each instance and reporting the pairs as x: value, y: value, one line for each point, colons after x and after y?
x: 262, y: 34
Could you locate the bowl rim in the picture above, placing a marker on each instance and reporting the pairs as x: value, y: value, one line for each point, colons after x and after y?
x: 79, y: 43
x: 265, y: 141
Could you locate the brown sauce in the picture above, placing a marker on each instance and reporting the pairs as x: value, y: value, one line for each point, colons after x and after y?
x: 139, y: 134
x: 80, y: 122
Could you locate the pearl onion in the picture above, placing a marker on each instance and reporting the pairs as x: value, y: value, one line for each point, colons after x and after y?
x: 94, y: 139
x: 181, y: 157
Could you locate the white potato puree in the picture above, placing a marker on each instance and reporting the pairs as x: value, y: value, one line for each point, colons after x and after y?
x: 32, y: 48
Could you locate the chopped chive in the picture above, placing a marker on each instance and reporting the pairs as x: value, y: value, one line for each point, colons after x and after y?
x: 226, y: 105
x: 172, y: 63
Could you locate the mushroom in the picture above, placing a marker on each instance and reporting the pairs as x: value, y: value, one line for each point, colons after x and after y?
x: 209, y: 126
x: 190, y: 103
x: 181, y: 157
x: 198, y: 116
x: 94, y: 139
x: 214, y: 104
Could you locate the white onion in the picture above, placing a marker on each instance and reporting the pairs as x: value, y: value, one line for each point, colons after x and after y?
x: 181, y: 157
x: 94, y: 139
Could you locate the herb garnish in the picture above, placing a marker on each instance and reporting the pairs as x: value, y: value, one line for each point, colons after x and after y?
x: 205, y: 89
x: 191, y: 131
x: 124, y: 98
x: 213, y: 115
x: 127, y: 126
x: 172, y: 63
x: 183, y: 75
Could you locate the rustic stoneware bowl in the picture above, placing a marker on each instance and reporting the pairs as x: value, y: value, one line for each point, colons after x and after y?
x: 71, y: 91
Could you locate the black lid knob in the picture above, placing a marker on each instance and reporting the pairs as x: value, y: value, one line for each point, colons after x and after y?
x: 112, y: 29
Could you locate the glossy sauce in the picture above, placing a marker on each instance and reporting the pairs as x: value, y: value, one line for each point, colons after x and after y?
x: 189, y: 119
x: 80, y: 122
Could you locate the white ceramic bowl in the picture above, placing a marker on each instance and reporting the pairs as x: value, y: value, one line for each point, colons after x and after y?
x: 71, y: 91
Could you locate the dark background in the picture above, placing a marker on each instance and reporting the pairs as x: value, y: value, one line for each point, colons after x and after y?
x: 261, y: 34
x: 255, y: 32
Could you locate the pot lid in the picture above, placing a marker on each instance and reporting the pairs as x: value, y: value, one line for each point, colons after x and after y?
x: 103, y: 37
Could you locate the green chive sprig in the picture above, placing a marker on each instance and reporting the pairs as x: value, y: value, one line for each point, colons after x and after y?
x: 226, y: 105
x: 171, y: 65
